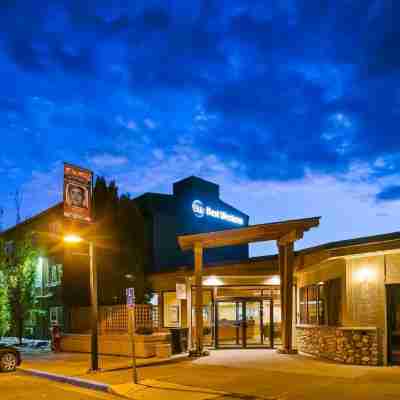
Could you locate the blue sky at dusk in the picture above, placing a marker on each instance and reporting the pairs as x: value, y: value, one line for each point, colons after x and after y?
x: 293, y: 107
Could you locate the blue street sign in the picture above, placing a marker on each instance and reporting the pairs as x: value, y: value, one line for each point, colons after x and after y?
x: 130, y: 297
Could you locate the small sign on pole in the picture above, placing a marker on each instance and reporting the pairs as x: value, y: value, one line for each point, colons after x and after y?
x: 130, y: 297
x: 181, y: 291
x: 130, y: 303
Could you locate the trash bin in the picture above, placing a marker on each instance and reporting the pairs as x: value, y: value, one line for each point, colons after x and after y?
x: 179, y: 340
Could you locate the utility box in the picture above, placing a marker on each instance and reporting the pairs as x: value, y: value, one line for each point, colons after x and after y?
x: 179, y: 340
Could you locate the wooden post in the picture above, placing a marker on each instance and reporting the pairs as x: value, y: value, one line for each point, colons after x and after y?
x: 198, y: 270
x: 286, y: 265
x: 189, y: 313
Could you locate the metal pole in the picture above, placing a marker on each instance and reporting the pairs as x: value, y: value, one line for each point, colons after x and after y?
x: 94, y: 308
x: 133, y: 329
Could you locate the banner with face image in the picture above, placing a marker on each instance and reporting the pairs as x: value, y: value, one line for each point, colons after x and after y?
x: 77, y: 193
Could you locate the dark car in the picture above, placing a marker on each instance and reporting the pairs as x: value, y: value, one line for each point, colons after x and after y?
x: 10, y: 358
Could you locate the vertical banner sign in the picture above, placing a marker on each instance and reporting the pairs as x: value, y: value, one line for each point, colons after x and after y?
x: 77, y: 193
x: 181, y: 291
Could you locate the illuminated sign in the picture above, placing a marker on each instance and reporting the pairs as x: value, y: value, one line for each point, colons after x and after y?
x: 199, y: 210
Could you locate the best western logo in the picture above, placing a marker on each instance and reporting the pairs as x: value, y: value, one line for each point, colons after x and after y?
x: 200, y: 211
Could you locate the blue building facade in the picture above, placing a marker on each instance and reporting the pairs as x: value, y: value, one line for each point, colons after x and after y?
x: 194, y: 206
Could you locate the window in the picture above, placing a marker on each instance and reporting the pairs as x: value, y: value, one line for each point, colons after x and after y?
x: 312, y: 305
x: 321, y: 304
x: 154, y: 299
x: 42, y: 262
x: 56, y: 317
x: 55, y: 227
x: 171, y: 310
x: 9, y: 248
x: 54, y: 275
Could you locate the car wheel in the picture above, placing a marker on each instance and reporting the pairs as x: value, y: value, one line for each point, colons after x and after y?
x: 8, y: 362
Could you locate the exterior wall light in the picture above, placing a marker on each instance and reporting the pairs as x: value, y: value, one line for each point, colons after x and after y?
x: 365, y: 275
x: 273, y: 280
x: 212, y: 281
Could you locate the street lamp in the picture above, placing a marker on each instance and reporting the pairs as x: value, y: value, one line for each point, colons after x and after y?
x: 74, y: 239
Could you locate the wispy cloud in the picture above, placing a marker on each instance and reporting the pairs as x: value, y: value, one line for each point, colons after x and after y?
x: 150, y: 123
x: 106, y: 160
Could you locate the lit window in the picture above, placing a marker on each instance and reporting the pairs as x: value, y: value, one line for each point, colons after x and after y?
x: 54, y: 275
x: 320, y: 304
x: 171, y: 310
x: 39, y: 272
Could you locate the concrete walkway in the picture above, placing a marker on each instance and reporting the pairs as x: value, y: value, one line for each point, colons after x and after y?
x: 257, y: 373
x: 78, y: 364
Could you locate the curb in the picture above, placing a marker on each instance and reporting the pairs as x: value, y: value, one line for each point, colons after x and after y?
x: 83, y: 383
x: 170, y: 360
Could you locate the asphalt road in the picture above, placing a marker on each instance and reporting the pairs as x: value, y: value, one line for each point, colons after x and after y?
x: 18, y: 386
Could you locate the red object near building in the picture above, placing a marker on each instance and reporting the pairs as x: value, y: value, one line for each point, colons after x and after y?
x: 56, y: 338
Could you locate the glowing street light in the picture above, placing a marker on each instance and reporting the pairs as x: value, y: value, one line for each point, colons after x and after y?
x: 72, y: 238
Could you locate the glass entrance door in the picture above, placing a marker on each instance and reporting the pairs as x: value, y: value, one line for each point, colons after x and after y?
x: 244, y: 323
x: 393, y: 301
x: 253, y: 323
x: 229, y: 328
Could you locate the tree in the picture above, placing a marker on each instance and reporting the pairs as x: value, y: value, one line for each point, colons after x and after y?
x: 122, y: 250
x: 133, y: 244
x: 4, y: 309
x: 18, y: 268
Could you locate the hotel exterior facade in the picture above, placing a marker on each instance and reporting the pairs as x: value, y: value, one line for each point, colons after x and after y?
x: 346, y: 301
x: 338, y: 301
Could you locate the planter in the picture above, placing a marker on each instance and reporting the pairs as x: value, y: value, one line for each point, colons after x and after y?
x: 116, y: 344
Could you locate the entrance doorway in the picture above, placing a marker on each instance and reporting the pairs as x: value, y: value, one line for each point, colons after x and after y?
x: 245, y: 323
x: 393, y: 302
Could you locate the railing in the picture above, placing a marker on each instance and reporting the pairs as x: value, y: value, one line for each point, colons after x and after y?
x: 114, y: 318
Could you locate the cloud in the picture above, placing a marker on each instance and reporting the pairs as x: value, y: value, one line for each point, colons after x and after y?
x: 346, y: 202
x: 389, y: 193
x: 127, y: 123
x: 106, y: 160
x: 264, y: 92
x: 149, y: 123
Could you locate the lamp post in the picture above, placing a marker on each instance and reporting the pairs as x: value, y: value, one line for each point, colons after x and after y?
x: 75, y: 239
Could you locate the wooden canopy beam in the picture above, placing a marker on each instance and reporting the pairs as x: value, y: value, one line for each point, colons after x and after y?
x: 248, y: 234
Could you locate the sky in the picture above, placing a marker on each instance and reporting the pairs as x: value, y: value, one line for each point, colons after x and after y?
x: 293, y: 107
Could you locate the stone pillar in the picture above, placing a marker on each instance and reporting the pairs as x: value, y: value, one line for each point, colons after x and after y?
x: 286, y: 266
x: 198, y: 270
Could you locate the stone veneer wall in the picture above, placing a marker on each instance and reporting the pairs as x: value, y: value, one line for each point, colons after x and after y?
x: 344, y: 345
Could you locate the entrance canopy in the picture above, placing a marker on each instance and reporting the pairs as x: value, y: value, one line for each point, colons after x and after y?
x: 282, y: 231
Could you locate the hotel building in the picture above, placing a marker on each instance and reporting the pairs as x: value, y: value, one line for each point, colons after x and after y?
x: 338, y: 301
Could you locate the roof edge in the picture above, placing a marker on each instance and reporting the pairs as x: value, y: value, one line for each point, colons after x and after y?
x: 30, y: 219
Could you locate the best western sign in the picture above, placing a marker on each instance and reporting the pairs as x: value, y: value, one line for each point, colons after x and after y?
x: 200, y: 210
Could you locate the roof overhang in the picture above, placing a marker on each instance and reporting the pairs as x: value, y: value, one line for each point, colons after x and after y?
x: 250, y: 234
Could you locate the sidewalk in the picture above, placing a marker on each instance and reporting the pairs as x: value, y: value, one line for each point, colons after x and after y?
x: 78, y: 364
x: 235, y: 374
x: 72, y: 368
